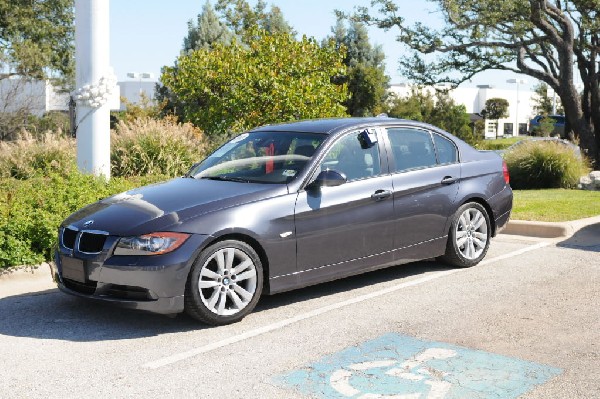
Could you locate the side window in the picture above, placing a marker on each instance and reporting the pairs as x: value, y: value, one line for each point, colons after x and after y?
x: 348, y: 157
x: 411, y: 148
x: 446, y: 151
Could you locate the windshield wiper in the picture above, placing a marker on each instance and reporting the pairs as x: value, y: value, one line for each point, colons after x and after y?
x: 226, y: 178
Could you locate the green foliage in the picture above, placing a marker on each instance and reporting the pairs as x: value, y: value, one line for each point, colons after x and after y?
x: 242, y: 19
x: 36, y: 38
x: 146, y: 146
x: 497, y: 144
x: 207, y: 31
x: 439, y: 110
x: 31, y: 210
x: 274, y: 78
x: 495, y: 108
x: 544, y: 165
x: 145, y: 108
x: 543, y: 104
x: 366, y: 78
x: 546, y: 127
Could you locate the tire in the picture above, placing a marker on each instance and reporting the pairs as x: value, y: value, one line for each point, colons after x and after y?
x: 224, y: 284
x: 469, y: 236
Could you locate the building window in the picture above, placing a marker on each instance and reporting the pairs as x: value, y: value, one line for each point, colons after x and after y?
x: 523, y: 128
x: 508, y: 129
x: 491, y: 127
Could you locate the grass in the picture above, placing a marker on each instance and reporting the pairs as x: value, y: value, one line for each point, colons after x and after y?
x: 498, y: 144
x: 555, y: 205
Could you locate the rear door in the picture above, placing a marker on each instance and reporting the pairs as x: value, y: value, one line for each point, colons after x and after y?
x: 425, y: 179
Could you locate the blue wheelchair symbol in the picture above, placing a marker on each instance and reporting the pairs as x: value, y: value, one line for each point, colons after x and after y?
x: 400, y: 367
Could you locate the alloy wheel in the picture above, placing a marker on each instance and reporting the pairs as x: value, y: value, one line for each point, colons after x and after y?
x: 228, y: 281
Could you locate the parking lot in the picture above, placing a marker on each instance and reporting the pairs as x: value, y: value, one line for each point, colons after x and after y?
x: 523, y: 323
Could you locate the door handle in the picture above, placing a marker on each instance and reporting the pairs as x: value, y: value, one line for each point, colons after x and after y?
x: 380, y: 195
x: 449, y: 180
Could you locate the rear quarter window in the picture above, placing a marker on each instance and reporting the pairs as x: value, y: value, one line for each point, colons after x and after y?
x: 446, y: 151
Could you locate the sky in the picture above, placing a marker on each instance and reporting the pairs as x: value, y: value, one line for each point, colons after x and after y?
x: 148, y: 34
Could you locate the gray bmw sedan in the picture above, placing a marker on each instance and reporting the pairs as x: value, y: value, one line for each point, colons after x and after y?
x: 285, y: 206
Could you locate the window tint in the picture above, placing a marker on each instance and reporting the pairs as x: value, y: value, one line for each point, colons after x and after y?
x: 348, y: 157
x: 411, y: 148
x: 446, y: 151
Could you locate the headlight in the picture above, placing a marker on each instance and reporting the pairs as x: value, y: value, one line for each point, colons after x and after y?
x: 150, y: 244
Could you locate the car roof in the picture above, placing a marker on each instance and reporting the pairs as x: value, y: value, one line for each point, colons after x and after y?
x: 330, y: 125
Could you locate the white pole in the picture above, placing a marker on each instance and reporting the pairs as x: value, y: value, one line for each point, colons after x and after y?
x: 518, y: 82
x: 94, y: 85
x: 517, y: 113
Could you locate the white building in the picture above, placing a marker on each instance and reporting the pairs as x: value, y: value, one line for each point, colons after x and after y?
x: 134, y: 90
x: 34, y: 97
x: 520, y: 110
x: 37, y: 97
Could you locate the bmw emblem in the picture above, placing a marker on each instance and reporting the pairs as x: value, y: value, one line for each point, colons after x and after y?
x: 88, y: 223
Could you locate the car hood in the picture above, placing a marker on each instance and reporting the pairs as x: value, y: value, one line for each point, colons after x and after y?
x: 165, y: 206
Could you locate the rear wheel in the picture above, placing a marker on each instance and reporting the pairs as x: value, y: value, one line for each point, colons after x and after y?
x: 469, y: 237
x: 224, y: 284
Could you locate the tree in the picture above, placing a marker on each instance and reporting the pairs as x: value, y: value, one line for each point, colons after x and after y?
x: 273, y: 78
x: 495, y: 109
x: 36, y: 39
x: 539, y: 38
x: 543, y: 104
x: 366, y: 78
x: 235, y: 19
x: 439, y: 110
x: 241, y: 18
x: 207, y: 31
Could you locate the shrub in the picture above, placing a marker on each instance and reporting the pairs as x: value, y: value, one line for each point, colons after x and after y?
x: 149, y: 146
x: 544, y: 165
x: 497, y: 144
x: 29, y: 157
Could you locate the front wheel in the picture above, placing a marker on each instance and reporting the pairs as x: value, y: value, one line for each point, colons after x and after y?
x: 469, y: 237
x: 224, y: 284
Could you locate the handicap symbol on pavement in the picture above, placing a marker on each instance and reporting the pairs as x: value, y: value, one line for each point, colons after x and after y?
x: 401, y: 367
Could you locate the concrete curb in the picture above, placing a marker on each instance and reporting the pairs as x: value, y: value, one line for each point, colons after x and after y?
x: 548, y: 229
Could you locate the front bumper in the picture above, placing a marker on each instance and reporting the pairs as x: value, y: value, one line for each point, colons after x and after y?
x: 150, y: 283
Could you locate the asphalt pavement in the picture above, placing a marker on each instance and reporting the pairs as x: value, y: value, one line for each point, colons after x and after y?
x: 523, y: 323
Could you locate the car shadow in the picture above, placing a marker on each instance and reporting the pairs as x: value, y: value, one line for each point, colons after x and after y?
x: 54, y: 315
x: 349, y: 283
x: 587, y: 239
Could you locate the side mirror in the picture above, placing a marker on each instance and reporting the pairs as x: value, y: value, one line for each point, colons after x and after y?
x: 327, y: 178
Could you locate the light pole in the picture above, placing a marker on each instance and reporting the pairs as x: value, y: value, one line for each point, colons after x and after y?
x: 140, y: 76
x: 96, y: 84
x: 518, y: 82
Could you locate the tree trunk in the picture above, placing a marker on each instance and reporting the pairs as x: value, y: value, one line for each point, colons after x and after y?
x: 582, y: 125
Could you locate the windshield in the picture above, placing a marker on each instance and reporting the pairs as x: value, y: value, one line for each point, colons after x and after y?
x: 260, y: 157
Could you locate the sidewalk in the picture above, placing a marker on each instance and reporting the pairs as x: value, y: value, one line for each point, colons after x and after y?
x: 28, y: 279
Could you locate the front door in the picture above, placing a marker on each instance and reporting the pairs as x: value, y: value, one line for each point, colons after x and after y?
x: 344, y: 229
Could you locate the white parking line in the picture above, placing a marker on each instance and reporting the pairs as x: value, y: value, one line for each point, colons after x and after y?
x: 165, y: 361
